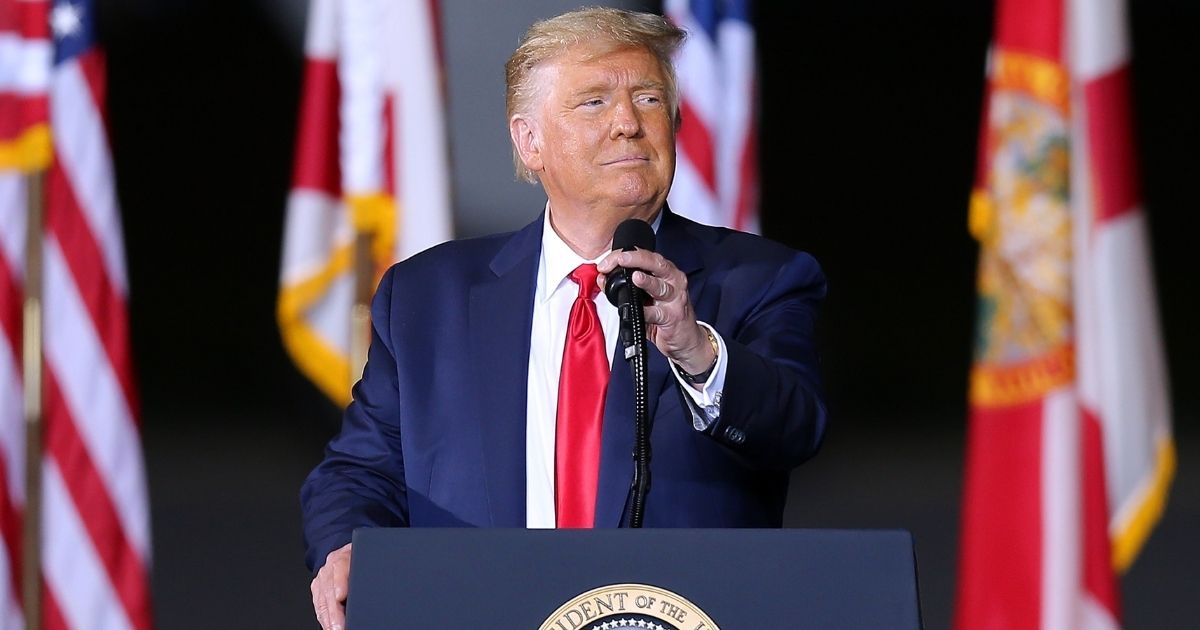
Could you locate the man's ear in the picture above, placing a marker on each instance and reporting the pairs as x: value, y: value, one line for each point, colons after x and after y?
x: 526, y: 140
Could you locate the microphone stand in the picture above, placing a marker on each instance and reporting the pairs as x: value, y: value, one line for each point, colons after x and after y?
x: 633, y: 336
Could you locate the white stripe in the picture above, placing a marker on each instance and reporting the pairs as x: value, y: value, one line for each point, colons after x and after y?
x: 12, y: 221
x: 316, y: 225
x: 12, y: 415
x: 1134, y: 410
x: 11, y: 617
x: 422, y: 162
x: 1099, y: 40
x: 74, y: 573
x: 1060, y: 501
x: 12, y: 424
x: 737, y: 75
x: 95, y: 399
x: 24, y: 64
x: 81, y: 146
x: 360, y: 70
x: 696, y: 66
x: 1094, y: 616
x: 321, y: 36
x: 690, y: 196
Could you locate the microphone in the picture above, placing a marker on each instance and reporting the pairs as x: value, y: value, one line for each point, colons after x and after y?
x: 619, y: 287
x: 628, y: 298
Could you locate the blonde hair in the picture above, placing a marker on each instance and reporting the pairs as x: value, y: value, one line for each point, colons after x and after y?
x: 547, y: 39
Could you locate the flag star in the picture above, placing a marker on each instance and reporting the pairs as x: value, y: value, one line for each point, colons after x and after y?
x: 65, y: 20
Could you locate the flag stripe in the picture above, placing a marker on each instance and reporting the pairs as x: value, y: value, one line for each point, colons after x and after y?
x: 74, y: 574
x: 89, y: 495
x: 1110, y: 144
x: 81, y: 148
x: 696, y: 144
x: 76, y: 360
x: 1001, y: 542
x: 104, y: 305
x: 316, y: 165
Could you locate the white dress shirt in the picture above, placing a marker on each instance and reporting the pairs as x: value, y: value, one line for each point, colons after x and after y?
x: 554, y: 294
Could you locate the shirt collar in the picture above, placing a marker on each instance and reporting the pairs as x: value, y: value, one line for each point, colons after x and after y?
x: 559, y: 260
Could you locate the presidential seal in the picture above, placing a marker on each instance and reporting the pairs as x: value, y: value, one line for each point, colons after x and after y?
x: 628, y: 606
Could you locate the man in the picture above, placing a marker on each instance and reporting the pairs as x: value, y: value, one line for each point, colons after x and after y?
x: 461, y: 417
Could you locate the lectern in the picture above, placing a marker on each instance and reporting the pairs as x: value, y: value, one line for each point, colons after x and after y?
x: 656, y: 579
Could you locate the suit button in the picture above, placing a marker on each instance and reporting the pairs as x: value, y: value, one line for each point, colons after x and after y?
x: 735, y: 435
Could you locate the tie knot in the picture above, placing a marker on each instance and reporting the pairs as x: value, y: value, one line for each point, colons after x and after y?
x: 585, y: 276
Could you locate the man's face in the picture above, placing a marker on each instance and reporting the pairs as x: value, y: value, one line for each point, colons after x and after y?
x: 603, y: 136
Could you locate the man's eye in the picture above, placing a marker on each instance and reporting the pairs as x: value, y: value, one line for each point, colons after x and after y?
x: 593, y: 102
x: 651, y: 99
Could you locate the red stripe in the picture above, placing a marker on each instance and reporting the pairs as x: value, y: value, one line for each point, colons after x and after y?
x: 95, y: 506
x: 1099, y: 579
x: 11, y: 304
x: 1110, y: 144
x: 19, y: 112
x: 697, y: 144
x: 747, y: 179
x: 92, y: 67
x: 1000, y: 564
x: 1030, y: 26
x: 28, y: 19
x: 389, y: 144
x: 105, y: 305
x: 11, y: 528
x: 52, y: 617
x: 316, y: 161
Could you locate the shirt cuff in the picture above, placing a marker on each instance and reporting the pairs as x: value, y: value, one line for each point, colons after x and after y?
x: 705, y: 403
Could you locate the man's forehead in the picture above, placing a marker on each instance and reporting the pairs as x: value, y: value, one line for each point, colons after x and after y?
x: 608, y: 63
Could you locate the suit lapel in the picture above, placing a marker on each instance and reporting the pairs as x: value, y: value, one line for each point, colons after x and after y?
x: 616, y: 461
x: 501, y: 314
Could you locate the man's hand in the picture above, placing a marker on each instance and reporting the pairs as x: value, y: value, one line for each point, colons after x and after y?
x: 670, y: 320
x: 329, y: 589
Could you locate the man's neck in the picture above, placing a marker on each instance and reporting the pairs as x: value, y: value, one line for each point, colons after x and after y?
x: 591, y: 235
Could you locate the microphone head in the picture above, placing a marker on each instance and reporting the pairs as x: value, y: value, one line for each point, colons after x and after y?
x: 629, y: 234
x: 633, y: 233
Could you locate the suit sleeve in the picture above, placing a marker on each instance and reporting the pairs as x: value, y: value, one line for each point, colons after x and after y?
x: 360, y: 482
x: 772, y: 411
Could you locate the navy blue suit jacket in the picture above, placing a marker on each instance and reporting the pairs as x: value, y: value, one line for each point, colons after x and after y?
x: 436, y: 433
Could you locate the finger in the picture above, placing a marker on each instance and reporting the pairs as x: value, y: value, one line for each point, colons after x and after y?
x: 320, y: 603
x: 336, y: 594
x: 658, y: 288
x: 609, y: 262
x: 336, y: 614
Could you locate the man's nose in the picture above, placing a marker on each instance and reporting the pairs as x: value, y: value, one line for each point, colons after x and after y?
x: 625, y: 120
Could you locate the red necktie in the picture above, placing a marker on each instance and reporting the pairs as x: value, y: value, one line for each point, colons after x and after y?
x: 582, y: 386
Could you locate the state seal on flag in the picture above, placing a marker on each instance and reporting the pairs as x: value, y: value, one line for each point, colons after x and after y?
x: 1021, y: 218
x: 620, y: 606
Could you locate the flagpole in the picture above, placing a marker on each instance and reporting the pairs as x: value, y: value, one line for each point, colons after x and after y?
x: 32, y: 368
x: 360, y: 313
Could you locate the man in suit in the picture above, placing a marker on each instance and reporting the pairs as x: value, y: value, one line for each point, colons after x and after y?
x: 474, y: 409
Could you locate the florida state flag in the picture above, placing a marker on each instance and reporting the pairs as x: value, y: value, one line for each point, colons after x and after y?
x: 1069, y: 449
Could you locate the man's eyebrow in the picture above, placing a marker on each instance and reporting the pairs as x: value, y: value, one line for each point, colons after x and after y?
x: 603, y: 86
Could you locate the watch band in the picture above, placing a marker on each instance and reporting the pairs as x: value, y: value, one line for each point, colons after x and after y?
x: 702, y: 377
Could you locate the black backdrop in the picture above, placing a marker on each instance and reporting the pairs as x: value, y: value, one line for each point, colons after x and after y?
x: 869, y: 117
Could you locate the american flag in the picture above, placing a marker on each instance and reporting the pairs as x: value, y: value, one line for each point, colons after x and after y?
x: 95, y: 528
x: 371, y: 159
x: 716, y: 177
x: 1070, y: 452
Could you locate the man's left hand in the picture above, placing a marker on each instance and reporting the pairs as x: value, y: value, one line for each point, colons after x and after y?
x: 670, y: 320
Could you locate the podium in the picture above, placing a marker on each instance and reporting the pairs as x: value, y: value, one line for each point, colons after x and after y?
x: 658, y: 579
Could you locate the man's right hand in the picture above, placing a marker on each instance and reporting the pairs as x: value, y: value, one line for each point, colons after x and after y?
x: 329, y: 589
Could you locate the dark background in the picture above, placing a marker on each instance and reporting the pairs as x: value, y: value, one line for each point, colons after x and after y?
x: 869, y: 120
